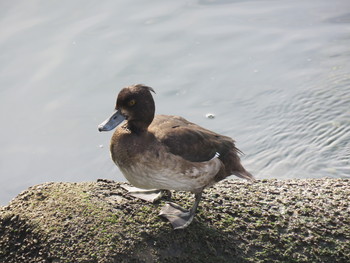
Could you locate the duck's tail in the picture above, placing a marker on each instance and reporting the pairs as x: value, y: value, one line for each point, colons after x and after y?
x: 244, y: 174
x: 236, y: 168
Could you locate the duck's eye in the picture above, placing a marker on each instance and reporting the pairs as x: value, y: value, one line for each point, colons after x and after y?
x: 131, y: 102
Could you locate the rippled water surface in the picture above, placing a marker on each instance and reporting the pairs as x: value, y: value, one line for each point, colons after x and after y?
x: 275, y: 74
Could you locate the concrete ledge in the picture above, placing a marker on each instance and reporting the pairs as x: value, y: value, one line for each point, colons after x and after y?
x: 237, y: 221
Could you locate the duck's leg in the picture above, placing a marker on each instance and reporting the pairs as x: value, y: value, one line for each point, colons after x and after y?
x: 152, y: 195
x: 179, y: 217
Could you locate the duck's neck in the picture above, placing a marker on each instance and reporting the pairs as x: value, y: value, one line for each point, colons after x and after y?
x: 137, y: 127
x: 140, y: 123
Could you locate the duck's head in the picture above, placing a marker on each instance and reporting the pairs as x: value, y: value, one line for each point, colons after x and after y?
x: 134, y: 104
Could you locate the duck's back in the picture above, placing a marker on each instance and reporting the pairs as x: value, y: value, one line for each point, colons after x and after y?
x: 197, y: 144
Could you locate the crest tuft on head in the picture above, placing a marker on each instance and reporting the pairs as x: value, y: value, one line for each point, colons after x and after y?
x: 144, y: 87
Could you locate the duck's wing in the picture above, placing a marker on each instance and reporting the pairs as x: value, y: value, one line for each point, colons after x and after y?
x: 189, y: 140
x: 196, y: 144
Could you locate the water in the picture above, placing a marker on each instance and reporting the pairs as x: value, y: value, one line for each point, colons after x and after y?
x: 274, y: 73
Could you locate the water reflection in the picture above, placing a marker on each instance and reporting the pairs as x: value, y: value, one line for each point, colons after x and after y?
x: 305, y: 136
x: 276, y: 77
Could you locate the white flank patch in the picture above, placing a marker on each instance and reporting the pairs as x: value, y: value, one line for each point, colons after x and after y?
x: 166, y: 172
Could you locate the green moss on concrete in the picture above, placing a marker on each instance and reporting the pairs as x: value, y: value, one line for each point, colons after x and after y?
x: 237, y: 221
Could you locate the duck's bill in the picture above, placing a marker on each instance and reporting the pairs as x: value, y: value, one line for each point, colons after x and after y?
x: 111, y: 122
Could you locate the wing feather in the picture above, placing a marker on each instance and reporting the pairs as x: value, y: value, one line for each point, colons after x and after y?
x: 190, y: 141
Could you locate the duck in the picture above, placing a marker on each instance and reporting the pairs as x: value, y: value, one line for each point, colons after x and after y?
x: 165, y: 152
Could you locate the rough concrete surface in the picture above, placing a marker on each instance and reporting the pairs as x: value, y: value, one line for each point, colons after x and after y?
x: 237, y: 221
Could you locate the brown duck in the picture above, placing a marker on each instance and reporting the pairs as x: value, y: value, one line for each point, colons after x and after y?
x: 168, y: 152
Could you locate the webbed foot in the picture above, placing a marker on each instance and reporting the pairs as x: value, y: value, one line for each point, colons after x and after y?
x: 151, y: 195
x: 177, y: 216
